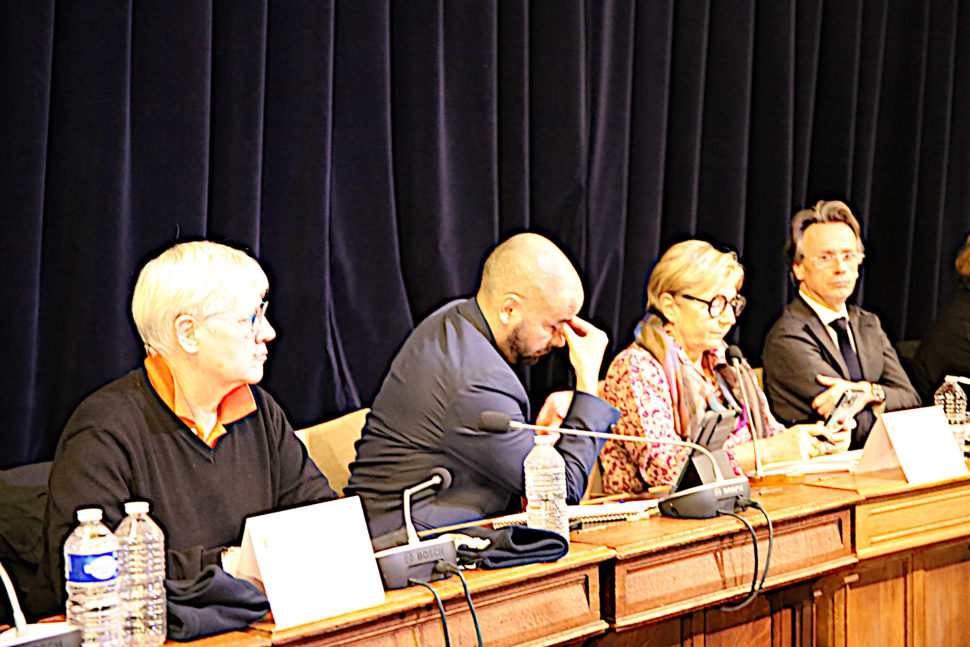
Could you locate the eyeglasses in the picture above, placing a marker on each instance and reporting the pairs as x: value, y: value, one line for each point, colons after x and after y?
x: 717, y: 305
x: 830, y: 258
x: 252, y: 323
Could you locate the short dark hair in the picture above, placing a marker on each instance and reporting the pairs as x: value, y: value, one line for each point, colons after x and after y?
x: 823, y: 211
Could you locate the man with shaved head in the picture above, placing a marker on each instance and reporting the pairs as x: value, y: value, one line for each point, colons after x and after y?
x: 458, y: 363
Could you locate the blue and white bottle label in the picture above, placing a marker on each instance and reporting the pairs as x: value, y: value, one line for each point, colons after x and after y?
x: 92, y: 568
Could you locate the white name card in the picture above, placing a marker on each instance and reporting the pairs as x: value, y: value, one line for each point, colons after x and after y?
x: 917, y: 440
x: 314, y: 562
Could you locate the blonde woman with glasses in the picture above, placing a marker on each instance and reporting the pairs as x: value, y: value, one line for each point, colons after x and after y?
x: 675, y: 371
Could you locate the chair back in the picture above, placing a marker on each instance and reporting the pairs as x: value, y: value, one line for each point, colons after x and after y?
x: 331, y: 446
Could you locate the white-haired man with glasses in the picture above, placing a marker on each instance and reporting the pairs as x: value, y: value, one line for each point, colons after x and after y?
x: 189, y: 430
x: 820, y: 347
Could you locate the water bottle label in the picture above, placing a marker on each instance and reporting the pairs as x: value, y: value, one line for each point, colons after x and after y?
x: 92, y: 568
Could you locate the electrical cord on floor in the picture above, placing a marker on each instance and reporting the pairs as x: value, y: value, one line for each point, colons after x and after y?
x: 441, y: 607
x: 445, y: 567
x: 755, y: 584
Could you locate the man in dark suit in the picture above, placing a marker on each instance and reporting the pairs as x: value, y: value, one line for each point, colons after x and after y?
x: 458, y: 363
x: 820, y: 348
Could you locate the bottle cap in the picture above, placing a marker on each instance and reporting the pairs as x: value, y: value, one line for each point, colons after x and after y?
x: 545, y: 439
x: 136, y: 507
x: 89, y: 514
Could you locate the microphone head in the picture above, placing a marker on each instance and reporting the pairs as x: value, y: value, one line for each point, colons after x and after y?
x: 445, y: 476
x: 494, y: 421
x: 734, y: 355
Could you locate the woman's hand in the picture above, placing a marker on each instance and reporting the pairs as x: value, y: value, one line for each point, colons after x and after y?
x: 802, y: 442
x: 797, y: 443
x: 838, y: 441
x: 820, y: 439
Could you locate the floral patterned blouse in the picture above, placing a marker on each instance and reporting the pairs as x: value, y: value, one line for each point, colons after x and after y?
x: 637, y: 386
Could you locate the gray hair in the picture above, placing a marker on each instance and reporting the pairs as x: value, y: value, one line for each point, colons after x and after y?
x: 198, y: 278
x: 823, y: 211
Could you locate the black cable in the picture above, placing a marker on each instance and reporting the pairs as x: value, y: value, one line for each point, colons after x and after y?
x: 451, y: 568
x: 755, y: 589
x: 441, y: 607
x: 754, y: 580
x: 771, y: 540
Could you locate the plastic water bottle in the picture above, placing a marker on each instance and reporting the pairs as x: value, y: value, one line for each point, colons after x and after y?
x: 953, y: 399
x: 91, y: 574
x: 141, y: 564
x: 545, y: 488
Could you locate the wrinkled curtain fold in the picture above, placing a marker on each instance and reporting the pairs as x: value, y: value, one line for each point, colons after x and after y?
x: 369, y: 152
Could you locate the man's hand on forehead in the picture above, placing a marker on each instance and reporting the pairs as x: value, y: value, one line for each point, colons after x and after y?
x: 587, y: 343
x: 577, y: 325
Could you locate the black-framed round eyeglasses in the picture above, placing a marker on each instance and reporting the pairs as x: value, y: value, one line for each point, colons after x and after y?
x: 716, y: 306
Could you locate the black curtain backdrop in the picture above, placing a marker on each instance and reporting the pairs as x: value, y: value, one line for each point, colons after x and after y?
x: 369, y: 152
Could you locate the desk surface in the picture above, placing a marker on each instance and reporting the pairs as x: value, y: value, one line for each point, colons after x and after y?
x: 623, y: 575
x: 531, y: 604
x: 783, y: 502
x: 880, y: 483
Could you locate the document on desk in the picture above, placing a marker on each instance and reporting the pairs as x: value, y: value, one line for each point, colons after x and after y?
x: 829, y: 463
x: 314, y: 562
x: 620, y: 511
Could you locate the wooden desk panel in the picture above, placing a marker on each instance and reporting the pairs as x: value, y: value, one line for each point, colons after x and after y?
x: 537, y: 604
x: 893, y: 515
x: 941, y: 591
x: 908, y: 581
x: 666, y: 567
x: 921, y: 516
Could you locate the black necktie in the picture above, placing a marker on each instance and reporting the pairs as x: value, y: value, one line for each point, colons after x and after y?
x: 840, y: 326
x: 865, y: 418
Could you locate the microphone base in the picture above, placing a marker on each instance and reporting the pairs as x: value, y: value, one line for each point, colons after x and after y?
x: 705, y: 501
x: 48, y: 634
x: 415, y: 561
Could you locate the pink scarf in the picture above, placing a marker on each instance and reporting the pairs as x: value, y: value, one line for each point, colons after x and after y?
x: 690, y: 393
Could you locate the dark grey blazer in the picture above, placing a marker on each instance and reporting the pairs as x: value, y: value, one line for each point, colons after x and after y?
x: 798, y: 347
x: 426, y: 415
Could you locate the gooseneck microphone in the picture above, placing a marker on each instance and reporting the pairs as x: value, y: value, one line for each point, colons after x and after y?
x: 699, y: 502
x: 710, y: 499
x: 416, y: 561
x: 498, y: 422
x: 441, y: 478
x: 734, y: 357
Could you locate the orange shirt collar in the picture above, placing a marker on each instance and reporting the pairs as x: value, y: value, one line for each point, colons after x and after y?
x: 238, y: 404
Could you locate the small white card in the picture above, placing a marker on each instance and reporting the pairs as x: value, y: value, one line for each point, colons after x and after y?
x: 917, y: 440
x: 314, y: 562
